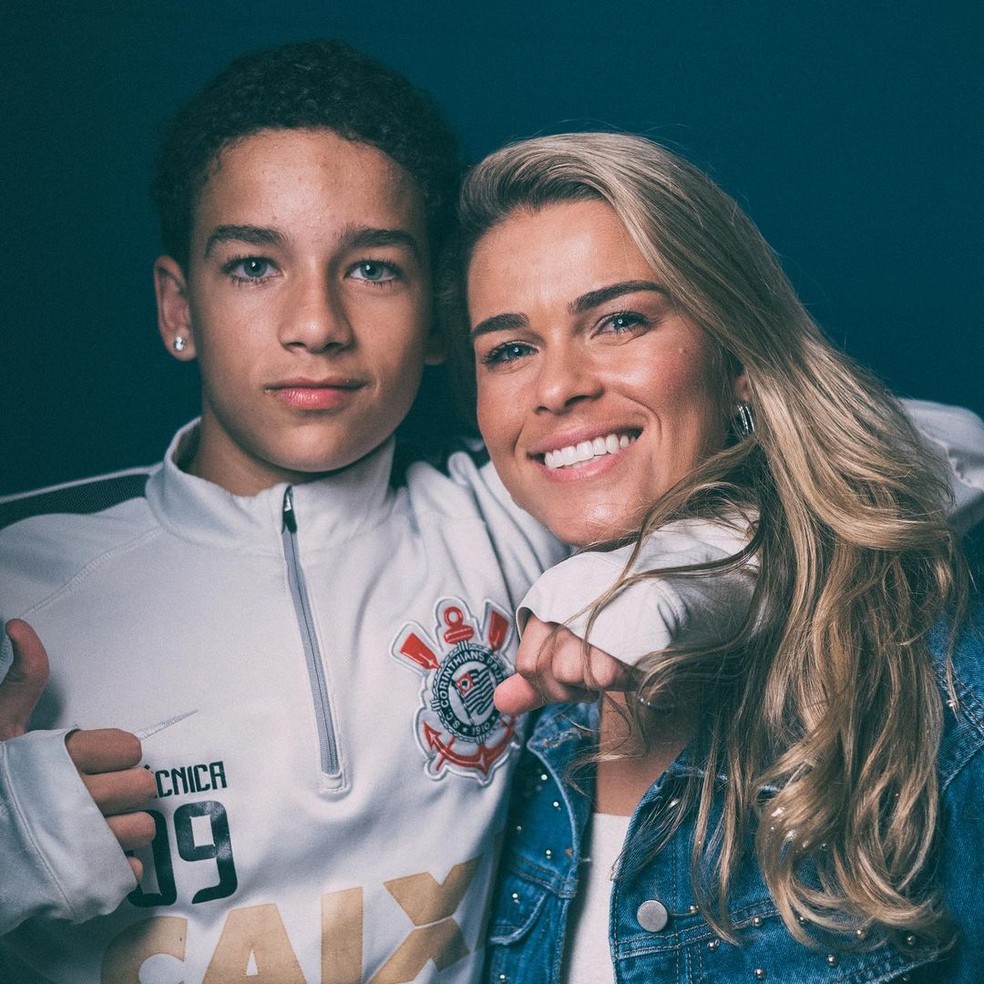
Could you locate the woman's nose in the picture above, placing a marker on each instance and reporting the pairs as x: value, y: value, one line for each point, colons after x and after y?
x: 566, y: 377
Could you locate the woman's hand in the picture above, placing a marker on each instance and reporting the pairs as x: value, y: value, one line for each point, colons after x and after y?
x: 554, y: 667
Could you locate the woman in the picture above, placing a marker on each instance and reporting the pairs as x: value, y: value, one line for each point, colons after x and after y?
x: 800, y: 799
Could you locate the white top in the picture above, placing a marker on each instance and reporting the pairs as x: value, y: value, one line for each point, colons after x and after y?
x: 588, y: 960
x: 957, y: 436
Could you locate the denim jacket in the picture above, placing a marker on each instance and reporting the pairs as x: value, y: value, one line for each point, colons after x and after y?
x: 657, y: 933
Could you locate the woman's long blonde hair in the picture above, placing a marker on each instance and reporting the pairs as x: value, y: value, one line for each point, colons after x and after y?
x: 824, y: 711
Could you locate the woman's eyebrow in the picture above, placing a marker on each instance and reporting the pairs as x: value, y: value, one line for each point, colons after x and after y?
x: 594, y: 298
x: 499, y: 322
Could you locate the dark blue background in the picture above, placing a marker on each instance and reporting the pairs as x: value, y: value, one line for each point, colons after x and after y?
x: 851, y: 131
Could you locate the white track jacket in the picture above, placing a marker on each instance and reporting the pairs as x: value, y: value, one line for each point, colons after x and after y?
x: 310, y: 671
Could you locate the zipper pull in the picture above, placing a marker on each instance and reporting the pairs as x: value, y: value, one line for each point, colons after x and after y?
x: 290, y: 519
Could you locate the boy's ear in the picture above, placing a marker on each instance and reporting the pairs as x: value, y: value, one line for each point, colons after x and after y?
x: 435, y: 351
x: 173, y: 312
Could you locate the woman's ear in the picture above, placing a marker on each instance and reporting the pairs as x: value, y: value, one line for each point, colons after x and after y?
x: 742, y: 388
x: 173, y: 311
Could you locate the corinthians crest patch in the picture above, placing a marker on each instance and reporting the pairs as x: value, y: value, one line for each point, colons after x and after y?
x: 458, y: 727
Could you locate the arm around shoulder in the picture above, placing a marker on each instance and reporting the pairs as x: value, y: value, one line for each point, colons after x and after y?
x: 652, y: 613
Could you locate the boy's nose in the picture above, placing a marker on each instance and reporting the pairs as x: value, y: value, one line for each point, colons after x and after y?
x: 315, y: 318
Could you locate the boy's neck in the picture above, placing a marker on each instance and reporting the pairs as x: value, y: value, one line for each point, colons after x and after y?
x: 244, y: 476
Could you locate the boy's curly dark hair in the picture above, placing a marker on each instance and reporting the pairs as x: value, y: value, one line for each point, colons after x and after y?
x: 301, y: 85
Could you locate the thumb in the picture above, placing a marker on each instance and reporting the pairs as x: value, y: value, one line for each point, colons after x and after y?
x: 516, y: 695
x: 25, y: 680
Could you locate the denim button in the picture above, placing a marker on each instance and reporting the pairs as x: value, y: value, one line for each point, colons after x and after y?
x: 652, y: 916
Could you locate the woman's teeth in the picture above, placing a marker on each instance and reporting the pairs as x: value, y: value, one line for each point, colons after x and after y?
x: 574, y: 454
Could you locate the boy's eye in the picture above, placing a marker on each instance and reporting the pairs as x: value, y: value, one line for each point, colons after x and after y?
x: 250, y: 268
x: 255, y: 267
x: 375, y: 271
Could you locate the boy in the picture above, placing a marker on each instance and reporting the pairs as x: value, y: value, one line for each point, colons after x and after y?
x: 306, y: 653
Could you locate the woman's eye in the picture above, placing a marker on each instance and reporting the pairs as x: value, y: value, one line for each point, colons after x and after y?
x: 624, y: 321
x: 507, y: 352
x: 375, y: 271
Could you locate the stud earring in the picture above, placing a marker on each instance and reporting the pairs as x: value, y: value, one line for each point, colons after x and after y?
x: 180, y: 343
x: 744, y: 419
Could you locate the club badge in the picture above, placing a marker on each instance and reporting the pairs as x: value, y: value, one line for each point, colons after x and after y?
x: 458, y: 727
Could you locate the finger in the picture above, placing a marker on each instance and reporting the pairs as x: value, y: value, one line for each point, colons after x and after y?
x: 517, y: 695
x: 608, y: 673
x: 103, y: 750
x: 565, y: 658
x: 25, y: 680
x: 569, y: 664
x: 534, y: 647
x: 137, y: 867
x: 535, y: 664
x: 132, y: 830
x: 120, y: 792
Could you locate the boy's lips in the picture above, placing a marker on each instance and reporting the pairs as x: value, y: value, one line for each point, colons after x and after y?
x: 315, y: 394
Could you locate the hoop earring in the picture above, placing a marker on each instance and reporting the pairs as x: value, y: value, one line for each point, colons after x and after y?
x: 744, y: 420
x: 180, y: 343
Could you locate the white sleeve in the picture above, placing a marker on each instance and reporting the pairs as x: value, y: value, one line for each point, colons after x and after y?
x: 59, y: 858
x: 657, y: 612
x: 523, y: 547
x: 958, y: 436
x: 506, y: 519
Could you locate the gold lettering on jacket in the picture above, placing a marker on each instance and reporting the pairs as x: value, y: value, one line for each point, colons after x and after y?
x: 254, y: 947
x: 257, y: 932
x: 125, y: 955
x: 341, y: 937
x: 425, y: 900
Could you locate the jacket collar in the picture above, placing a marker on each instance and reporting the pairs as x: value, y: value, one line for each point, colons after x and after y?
x: 564, y: 731
x: 330, y: 509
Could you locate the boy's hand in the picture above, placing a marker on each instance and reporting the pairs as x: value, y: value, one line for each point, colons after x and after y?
x: 25, y: 680
x: 552, y: 668
x: 106, y: 758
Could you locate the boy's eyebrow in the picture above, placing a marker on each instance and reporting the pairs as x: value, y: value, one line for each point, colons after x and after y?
x: 253, y: 235
x: 356, y: 238
x: 595, y: 298
x: 580, y: 305
x: 368, y: 237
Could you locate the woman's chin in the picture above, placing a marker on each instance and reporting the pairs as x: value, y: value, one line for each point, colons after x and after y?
x: 591, y: 527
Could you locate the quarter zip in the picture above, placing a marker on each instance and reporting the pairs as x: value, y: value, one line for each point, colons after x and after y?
x: 330, y: 764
